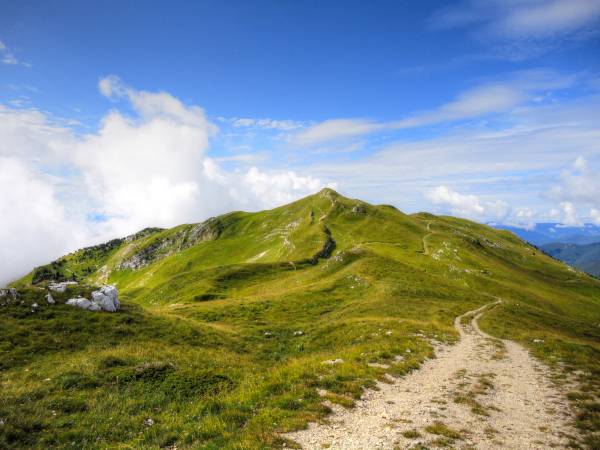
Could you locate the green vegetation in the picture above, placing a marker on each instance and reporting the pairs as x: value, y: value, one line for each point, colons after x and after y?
x: 225, y: 326
x: 442, y: 429
x: 411, y: 434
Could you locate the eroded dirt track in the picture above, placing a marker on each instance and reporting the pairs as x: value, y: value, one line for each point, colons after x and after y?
x: 482, y: 393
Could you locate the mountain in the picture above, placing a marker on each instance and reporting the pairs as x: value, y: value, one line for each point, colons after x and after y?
x: 546, y: 233
x: 584, y: 257
x: 230, y: 329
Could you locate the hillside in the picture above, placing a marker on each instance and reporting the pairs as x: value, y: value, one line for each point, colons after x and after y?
x: 584, y: 257
x: 225, y: 324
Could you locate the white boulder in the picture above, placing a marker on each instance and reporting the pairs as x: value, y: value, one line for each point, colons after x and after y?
x: 79, y: 302
x: 104, y: 299
x: 49, y: 299
x: 107, y: 297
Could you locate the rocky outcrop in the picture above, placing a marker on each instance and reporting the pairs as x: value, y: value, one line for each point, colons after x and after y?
x: 79, y: 302
x: 62, y: 286
x: 9, y: 293
x: 104, y: 299
x: 359, y: 209
x: 107, y: 297
x: 173, y: 243
x: 8, y: 296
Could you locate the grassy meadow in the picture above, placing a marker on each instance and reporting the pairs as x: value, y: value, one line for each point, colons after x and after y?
x: 224, y: 340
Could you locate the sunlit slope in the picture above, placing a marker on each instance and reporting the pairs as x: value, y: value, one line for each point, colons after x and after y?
x: 237, y: 314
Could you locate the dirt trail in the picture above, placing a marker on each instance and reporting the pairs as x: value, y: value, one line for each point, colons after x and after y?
x: 482, y: 393
x: 424, y: 238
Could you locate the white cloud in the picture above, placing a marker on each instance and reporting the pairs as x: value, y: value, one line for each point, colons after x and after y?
x: 566, y: 214
x: 570, y: 217
x: 7, y: 57
x: 481, y: 101
x: 112, y: 87
x: 152, y: 169
x: 468, y: 205
x: 521, y: 19
x: 545, y: 18
x: 35, y: 226
x: 522, y: 217
x: 595, y: 215
x: 279, y: 187
x: 514, y: 158
x: 521, y: 29
x: 265, y: 124
x: 336, y: 129
x: 578, y: 184
x: 498, y: 211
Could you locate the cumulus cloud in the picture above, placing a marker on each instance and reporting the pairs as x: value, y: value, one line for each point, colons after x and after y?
x: 35, y: 225
x: 566, y: 214
x: 522, y: 217
x: 468, y: 205
x: 579, y: 184
x: 63, y: 189
x: 498, y: 211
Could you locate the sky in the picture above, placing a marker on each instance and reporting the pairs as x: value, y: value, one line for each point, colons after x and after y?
x: 115, y: 116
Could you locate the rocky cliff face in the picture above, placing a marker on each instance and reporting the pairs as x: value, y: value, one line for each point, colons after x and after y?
x: 173, y: 243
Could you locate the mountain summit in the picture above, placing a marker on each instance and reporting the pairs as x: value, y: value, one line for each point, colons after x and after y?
x: 231, y: 330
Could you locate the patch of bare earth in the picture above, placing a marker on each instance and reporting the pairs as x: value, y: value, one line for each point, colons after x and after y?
x: 482, y: 393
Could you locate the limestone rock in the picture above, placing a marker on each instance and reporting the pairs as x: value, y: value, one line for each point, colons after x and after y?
x: 107, y: 298
x: 79, y: 302
x: 49, y: 299
x: 10, y: 292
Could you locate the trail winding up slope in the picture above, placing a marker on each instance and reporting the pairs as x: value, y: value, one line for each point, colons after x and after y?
x: 481, y: 393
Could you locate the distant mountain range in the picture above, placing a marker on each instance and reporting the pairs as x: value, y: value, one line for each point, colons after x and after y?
x: 585, y: 257
x: 577, y: 246
x: 546, y: 233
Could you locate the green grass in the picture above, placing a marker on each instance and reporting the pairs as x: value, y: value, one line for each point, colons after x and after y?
x: 444, y: 430
x: 206, y: 344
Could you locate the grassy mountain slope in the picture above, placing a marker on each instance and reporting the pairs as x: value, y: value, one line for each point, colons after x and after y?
x: 584, y: 257
x: 225, y: 325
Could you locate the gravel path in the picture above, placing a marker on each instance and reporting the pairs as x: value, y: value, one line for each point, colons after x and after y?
x: 482, y: 393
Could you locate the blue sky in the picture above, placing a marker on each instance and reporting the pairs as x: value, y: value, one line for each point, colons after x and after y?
x: 119, y: 115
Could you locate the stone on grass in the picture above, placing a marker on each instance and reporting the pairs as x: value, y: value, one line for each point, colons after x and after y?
x: 104, y: 299
x: 107, y: 298
x: 49, y: 299
x: 331, y: 362
x: 79, y: 302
